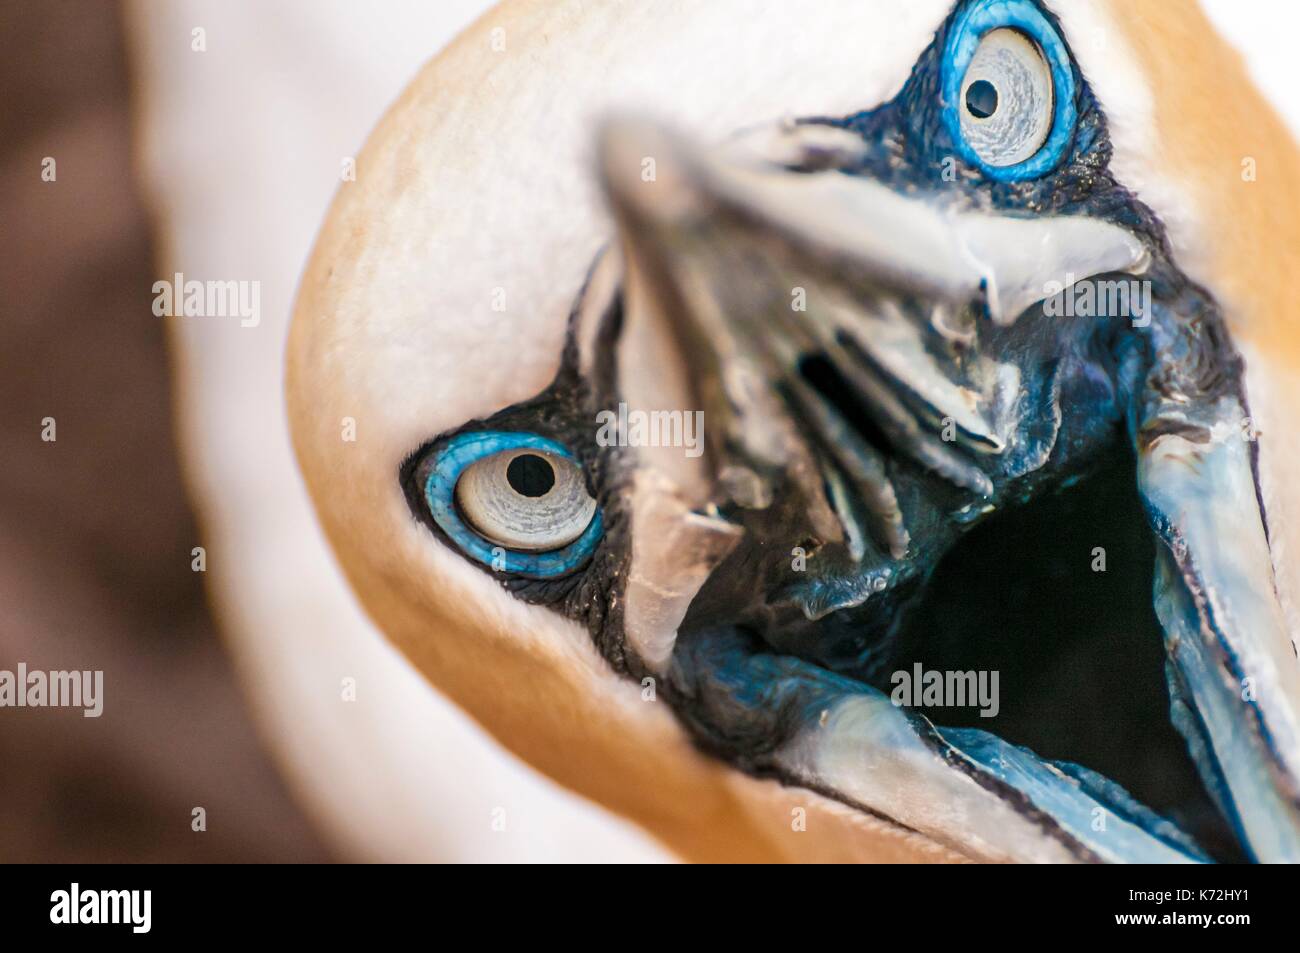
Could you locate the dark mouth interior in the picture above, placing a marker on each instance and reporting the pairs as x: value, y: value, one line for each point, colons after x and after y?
x: 818, y: 371
x: 1080, y: 653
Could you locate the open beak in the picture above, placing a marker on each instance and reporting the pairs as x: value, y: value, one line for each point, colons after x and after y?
x: 877, y: 373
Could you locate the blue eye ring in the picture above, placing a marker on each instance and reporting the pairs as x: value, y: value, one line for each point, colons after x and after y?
x: 450, y: 461
x: 964, y: 38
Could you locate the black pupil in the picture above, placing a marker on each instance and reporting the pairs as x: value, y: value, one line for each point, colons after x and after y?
x: 530, y: 475
x: 981, y: 99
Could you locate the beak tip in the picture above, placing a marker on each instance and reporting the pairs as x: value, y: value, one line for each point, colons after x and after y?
x: 645, y: 169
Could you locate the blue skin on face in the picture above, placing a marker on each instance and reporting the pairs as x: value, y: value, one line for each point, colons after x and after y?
x: 1094, y: 371
x: 1084, y: 369
x: 967, y: 30
x: 912, y: 140
x: 450, y: 462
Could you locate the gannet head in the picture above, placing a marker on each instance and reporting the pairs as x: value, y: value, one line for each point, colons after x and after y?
x: 850, y: 259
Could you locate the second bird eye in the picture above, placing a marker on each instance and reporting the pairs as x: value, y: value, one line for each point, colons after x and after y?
x: 1006, y: 98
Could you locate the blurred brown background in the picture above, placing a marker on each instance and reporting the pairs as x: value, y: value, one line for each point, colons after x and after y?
x: 95, y: 528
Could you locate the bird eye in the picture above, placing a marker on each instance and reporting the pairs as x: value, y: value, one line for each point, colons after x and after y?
x: 517, y: 502
x: 1008, y: 89
x: 1006, y: 101
x: 526, y: 499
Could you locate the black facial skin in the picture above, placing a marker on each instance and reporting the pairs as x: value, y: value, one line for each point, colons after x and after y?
x: 747, y: 674
x: 565, y: 412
